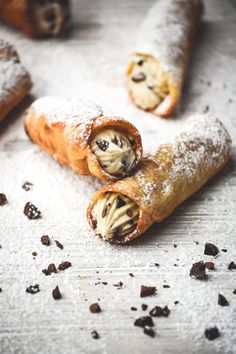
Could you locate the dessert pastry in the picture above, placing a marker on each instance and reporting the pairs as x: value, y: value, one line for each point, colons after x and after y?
x: 15, y: 81
x: 76, y: 133
x: 37, y: 18
x: 157, y: 68
x: 122, y: 211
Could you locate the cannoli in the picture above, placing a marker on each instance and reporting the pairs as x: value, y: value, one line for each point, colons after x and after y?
x: 76, y: 133
x: 122, y: 211
x: 157, y: 68
x: 15, y: 81
x: 37, y: 18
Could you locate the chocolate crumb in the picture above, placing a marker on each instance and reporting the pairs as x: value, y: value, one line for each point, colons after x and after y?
x: 210, y: 265
x: 234, y: 292
x: 131, y: 275
x: 212, y: 333
x: 144, y: 307
x: 175, y: 246
x: 34, y: 254
x: 33, y: 289
x: 147, y: 290
x: 64, y: 265
x: 144, y: 321
x: 132, y: 308
x: 31, y: 211
x: 3, y: 199
x: 118, y: 285
x: 104, y: 282
x: 0, y: 290
x: 95, y: 335
x: 198, y: 270
x: 59, y: 245
x: 26, y: 186
x: 95, y: 308
x: 211, y: 249
x: 222, y: 301
x: 52, y: 268
x: 138, y: 77
x: 149, y: 331
x: 46, y: 272
x: 56, y: 294
x: 166, y: 286
x: 231, y: 266
x: 176, y: 302
x: 158, y: 311
x: 224, y: 250
x: 157, y: 265
x: 102, y: 144
x: 45, y: 240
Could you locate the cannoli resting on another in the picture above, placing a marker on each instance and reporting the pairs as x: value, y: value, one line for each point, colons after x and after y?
x: 122, y: 211
x: 15, y: 81
x: 76, y: 133
x: 157, y: 68
x: 37, y: 18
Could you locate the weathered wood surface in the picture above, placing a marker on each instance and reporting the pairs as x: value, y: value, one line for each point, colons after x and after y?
x: 90, y: 64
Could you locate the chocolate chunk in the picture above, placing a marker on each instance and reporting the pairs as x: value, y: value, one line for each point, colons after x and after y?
x: 144, y: 307
x: 102, y: 144
x: 209, y: 265
x: 52, y: 268
x: 131, y: 275
x: 33, y: 289
x: 95, y: 335
x: 132, y: 308
x: 165, y: 286
x: 149, y: 331
x: 212, y: 333
x: 129, y: 213
x: 95, y: 308
x: 144, y: 321
x: 234, y: 292
x: 120, y: 203
x: 59, y: 245
x: 31, y: 211
x: 34, y: 254
x: 46, y: 272
x: 211, y: 249
x: 26, y: 186
x: 158, y: 311
x: 222, y: 301
x: 3, y: 199
x: 147, y: 290
x: 56, y: 294
x: 231, y: 266
x: 138, y: 77
x: 45, y: 240
x: 64, y: 265
x: 198, y: 270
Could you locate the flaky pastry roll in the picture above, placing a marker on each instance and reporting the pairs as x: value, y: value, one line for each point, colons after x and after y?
x: 15, y: 81
x: 157, y: 68
x: 122, y: 211
x: 37, y: 18
x: 77, y: 134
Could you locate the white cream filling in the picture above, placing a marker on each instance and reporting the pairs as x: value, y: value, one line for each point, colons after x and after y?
x: 147, y: 82
x: 114, y: 151
x: 114, y: 215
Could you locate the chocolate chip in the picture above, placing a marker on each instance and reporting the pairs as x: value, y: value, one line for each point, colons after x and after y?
x: 52, y: 268
x: 144, y: 321
x: 138, y: 77
x: 198, y: 270
x: 26, y: 186
x: 94, y: 224
x: 45, y: 240
x: 95, y: 308
x: 64, y: 265
x: 104, y: 212
x: 140, y: 62
x: 144, y: 307
x: 3, y: 199
x: 132, y: 308
x: 120, y: 203
x: 95, y: 335
x: 165, y: 286
x: 129, y: 213
x: 147, y: 290
x: 212, y: 333
x: 149, y: 331
x: 31, y: 211
x: 231, y: 266
x: 33, y: 289
x: 158, y: 311
x: 211, y: 249
x: 209, y: 265
x: 102, y: 144
x: 222, y: 301
x: 59, y: 245
x: 34, y: 254
x: 131, y: 275
x: 56, y: 294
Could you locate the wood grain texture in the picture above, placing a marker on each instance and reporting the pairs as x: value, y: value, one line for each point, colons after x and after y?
x: 90, y: 64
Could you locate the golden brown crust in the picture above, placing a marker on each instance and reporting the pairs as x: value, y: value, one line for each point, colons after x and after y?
x: 69, y: 142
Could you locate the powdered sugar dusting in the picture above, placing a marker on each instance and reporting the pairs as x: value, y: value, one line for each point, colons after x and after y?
x: 148, y: 187
x: 165, y: 33
x: 58, y: 109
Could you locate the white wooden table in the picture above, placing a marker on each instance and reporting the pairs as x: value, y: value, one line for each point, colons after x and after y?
x: 90, y: 64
